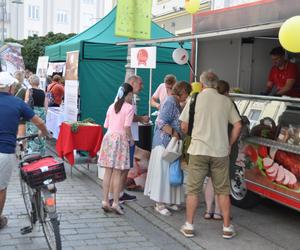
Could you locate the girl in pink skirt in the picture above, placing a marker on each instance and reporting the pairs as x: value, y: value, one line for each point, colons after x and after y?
x: 114, y: 152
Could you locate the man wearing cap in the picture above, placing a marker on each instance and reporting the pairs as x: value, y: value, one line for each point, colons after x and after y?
x: 11, y: 110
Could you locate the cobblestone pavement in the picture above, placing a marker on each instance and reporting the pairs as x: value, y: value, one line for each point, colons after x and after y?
x: 83, y: 223
x: 85, y: 226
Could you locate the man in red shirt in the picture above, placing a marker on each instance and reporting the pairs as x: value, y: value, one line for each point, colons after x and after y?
x: 57, y: 90
x: 283, y: 75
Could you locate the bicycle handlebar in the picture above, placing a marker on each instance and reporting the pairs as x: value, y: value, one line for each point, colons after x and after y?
x: 27, y: 137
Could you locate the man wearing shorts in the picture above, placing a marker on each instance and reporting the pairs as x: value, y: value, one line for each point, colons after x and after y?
x: 209, y: 150
x: 11, y: 110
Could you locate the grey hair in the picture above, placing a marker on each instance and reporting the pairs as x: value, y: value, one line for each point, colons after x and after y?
x: 34, y: 80
x: 133, y: 78
x: 209, y: 78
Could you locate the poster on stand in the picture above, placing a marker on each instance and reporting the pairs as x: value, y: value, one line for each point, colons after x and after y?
x: 71, y: 86
x: 71, y: 100
x: 56, y: 68
x: 41, y: 70
x: 143, y: 57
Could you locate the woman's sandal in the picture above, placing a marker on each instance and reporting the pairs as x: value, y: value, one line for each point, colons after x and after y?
x: 3, y: 222
x: 217, y: 216
x: 117, y: 209
x: 173, y: 207
x: 162, y: 210
x: 208, y: 215
x: 106, y: 207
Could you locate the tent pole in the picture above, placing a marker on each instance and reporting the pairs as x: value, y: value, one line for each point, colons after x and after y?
x: 150, y: 93
x: 129, y: 70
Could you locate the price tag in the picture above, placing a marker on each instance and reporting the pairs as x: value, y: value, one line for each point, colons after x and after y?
x: 44, y: 168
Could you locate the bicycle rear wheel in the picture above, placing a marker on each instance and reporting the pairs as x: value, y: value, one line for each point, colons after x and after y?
x: 27, y: 194
x: 50, y: 225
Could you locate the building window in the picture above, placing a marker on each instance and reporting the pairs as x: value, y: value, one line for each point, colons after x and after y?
x: 33, y: 32
x: 87, y: 20
x: 62, y: 17
x: 88, y: 1
x: 33, y: 12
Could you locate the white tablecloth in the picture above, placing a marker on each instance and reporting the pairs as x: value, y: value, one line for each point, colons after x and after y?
x: 55, y: 116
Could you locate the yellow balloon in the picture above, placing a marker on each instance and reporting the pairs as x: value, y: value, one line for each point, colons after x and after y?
x: 196, y: 87
x: 289, y: 34
x: 192, y: 6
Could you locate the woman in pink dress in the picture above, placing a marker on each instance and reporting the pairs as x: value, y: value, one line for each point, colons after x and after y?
x: 114, y: 152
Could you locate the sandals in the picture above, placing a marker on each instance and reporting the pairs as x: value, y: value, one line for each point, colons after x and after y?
x: 3, y: 222
x: 117, y: 209
x: 106, y: 207
x: 173, y: 207
x: 217, y: 216
x: 208, y: 216
x: 162, y: 210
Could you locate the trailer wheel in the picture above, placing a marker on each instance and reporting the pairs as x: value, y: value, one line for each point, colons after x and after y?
x: 240, y: 196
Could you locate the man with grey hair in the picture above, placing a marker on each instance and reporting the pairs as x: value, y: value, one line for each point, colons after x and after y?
x: 209, y: 150
x: 137, y: 84
x: 11, y: 110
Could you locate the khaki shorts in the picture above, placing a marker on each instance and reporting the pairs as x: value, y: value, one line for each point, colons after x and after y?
x: 7, y: 162
x: 199, y: 167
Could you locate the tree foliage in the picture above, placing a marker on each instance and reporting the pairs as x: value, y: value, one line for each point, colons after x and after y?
x: 34, y: 46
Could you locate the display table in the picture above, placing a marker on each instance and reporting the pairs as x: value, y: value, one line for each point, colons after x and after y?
x: 55, y: 116
x: 87, y: 138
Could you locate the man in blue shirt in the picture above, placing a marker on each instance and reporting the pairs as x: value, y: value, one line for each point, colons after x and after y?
x: 11, y: 110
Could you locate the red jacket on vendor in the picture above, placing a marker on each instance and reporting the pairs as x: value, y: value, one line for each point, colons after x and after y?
x: 283, y: 77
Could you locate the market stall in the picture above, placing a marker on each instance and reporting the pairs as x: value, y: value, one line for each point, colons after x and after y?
x: 235, y: 42
x: 102, y: 65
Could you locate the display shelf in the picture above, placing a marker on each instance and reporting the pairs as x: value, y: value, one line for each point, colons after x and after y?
x: 274, y: 144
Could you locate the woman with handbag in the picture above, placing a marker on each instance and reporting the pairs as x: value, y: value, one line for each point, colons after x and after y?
x: 158, y: 186
x: 35, y: 98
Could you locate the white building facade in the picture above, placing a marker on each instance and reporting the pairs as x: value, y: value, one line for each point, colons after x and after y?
x: 219, y: 4
x: 25, y: 18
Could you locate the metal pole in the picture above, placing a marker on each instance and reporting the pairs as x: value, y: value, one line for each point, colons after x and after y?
x: 129, y: 70
x: 196, y: 60
x: 150, y: 93
x: 3, y: 16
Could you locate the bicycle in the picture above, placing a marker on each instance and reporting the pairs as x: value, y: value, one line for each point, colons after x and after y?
x: 38, y: 176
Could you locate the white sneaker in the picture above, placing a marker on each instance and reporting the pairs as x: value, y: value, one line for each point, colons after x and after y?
x: 229, y: 232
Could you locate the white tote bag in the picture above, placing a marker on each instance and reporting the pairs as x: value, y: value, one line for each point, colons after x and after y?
x: 173, y: 151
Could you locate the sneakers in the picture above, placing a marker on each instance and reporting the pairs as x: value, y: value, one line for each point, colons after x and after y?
x: 229, y: 232
x: 187, y: 230
x: 127, y: 197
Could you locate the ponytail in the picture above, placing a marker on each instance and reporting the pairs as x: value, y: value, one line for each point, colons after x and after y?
x: 124, y: 90
x: 119, y: 104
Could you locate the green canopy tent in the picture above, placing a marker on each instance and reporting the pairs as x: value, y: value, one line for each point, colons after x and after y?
x: 102, y: 65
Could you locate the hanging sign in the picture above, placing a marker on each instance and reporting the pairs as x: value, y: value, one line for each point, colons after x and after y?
x: 143, y: 57
x: 133, y: 19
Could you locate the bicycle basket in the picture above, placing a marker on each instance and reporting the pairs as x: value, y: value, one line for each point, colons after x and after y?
x: 46, y: 168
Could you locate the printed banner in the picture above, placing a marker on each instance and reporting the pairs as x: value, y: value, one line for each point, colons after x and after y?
x: 71, y: 100
x: 11, y: 59
x: 56, y: 68
x: 143, y: 57
x: 133, y: 19
x: 72, y: 65
x: 41, y: 70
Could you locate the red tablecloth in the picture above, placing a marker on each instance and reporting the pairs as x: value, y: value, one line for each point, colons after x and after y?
x: 87, y: 138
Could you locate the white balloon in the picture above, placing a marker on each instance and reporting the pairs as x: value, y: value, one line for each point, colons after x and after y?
x: 180, y: 56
